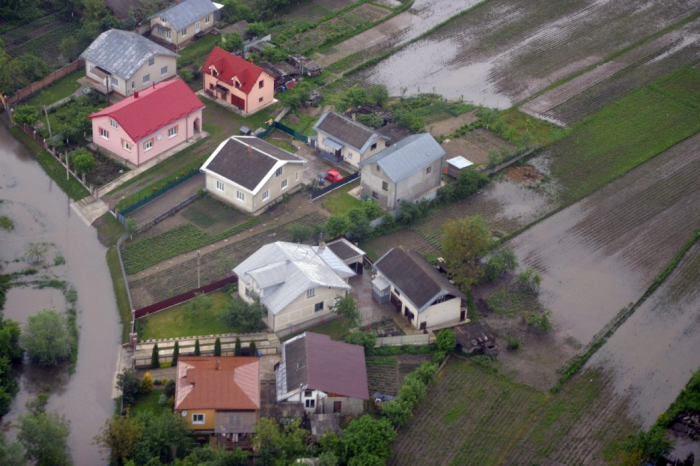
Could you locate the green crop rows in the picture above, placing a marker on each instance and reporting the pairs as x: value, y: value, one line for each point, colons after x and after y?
x: 142, y: 254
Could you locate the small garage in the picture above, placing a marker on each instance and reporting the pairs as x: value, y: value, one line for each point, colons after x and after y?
x: 456, y: 165
x: 350, y: 254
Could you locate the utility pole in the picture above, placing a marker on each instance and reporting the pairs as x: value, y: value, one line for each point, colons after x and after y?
x: 48, y: 122
x: 67, y: 162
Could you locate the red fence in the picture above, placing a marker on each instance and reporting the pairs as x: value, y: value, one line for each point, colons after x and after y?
x: 42, y: 83
x: 181, y: 298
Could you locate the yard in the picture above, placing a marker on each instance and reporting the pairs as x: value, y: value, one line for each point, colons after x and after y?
x: 178, y: 321
x: 58, y: 90
x: 337, y: 329
x: 149, y: 403
x: 339, y: 201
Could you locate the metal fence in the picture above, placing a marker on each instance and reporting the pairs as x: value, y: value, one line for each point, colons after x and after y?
x: 161, y: 191
x: 333, y: 186
x: 415, y: 340
x: 285, y: 129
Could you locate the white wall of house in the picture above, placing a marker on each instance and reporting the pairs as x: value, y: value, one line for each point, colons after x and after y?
x: 440, y: 313
x: 350, y: 155
x: 153, y: 72
x: 303, y: 309
x: 159, y: 30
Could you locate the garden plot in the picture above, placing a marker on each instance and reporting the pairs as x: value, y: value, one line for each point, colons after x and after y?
x: 46, y: 46
x: 503, y: 51
x: 582, y: 96
x: 316, y: 9
x: 476, y: 145
x: 655, y: 350
x: 600, y: 254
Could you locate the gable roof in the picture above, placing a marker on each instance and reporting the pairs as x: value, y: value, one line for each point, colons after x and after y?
x: 415, y: 278
x: 186, y: 12
x: 229, y: 65
x: 344, y: 249
x: 154, y: 108
x: 235, y: 385
x: 344, y: 130
x: 284, y: 271
x: 319, y: 363
x: 122, y: 53
x: 248, y: 161
x: 407, y: 156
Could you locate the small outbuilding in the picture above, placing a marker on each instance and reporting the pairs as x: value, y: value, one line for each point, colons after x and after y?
x: 476, y: 338
x: 456, y: 165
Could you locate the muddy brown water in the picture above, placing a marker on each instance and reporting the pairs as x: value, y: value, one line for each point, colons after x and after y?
x: 41, y: 213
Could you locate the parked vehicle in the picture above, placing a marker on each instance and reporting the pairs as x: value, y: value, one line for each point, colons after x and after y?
x: 333, y: 176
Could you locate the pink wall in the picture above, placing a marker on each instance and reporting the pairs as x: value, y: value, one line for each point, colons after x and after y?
x: 139, y: 154
x: 252, y: 100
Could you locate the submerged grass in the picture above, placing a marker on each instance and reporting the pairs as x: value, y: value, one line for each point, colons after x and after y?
x: 120, y: 292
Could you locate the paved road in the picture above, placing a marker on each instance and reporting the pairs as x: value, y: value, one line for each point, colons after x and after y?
x: 168, y: 200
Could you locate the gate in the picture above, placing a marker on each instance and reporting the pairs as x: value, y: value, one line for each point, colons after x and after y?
x: 238, y: 102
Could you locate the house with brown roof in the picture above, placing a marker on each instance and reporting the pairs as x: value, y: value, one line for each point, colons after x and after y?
x: 326, y: 376
x: 416, y: 289
x: 346, y: 139
x: 250, y: 173
x: 237, y: 81
x: 219, y: 396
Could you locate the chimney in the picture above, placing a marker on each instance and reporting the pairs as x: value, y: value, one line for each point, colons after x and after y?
x: 154, y: 84
x: 250, y: 149
x: 218, y: 365
x: 321, y: 246
x: 354, y: 116
x: 136, y: 94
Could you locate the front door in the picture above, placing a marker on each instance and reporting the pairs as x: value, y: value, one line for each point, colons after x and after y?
x: 462, y: 315
x: 337, y: 406
x: 396, y: 302
x: 196, y: 27
x: 424, y: 325
x: 238, y: 101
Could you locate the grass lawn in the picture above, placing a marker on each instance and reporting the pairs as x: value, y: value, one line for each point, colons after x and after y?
x: 58, y: 90
x: 542, y: 133
x: 304, y: 125
x: 120, y: 292
x: 627, y: 134
x: 197, y: 49
x: 336, y: 329
x: 177, y: 321
x: 109, y: 229
x: 51, y: 166
x: 148, y: 403
x: 339, y: 201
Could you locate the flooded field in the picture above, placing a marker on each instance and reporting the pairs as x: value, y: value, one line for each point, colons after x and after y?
x: 504, y: 51
x: 656, y: 350
x: 41, y: 213
x: 602, y: 253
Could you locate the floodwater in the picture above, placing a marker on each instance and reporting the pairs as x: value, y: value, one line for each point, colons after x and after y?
x: 654, y: 353
x: 504, y: 51
x: 42, y: 213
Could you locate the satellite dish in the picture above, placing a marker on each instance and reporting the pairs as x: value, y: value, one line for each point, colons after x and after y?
x: 184, y: 413
x: 159, y: 137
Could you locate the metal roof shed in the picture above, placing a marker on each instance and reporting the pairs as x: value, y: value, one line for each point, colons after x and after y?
x: 457, y: 164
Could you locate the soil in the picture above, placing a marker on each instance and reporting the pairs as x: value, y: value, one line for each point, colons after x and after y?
x: 476, y: 145
x: 450, y: 125
x: 525, y: 174
x: 105, y: 171
x: 293, y: 119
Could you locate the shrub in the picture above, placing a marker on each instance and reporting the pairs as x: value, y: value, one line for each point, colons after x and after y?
x: 300, y: 233
x: 530, y: 280
x: 176, y: 354
x: 186, y: 74
x: 365, y: 339
x: 371, y: 119
x: 25, y: 115
x: 146, y: 383
x: 129, y: 384
x: 446, y: 340
x: 512, y: 342
x: 541, y: 321
x: 502, y: 260
x: 245, y: 317
x: 237, y: 347
x: 336, y: 225
x: 397, y: 412
x: 197, y: 352
x: 47, y: 338
x: 169, y: 388
x: 155, y: 359
x: 252, y: 349
x: 83, y: 161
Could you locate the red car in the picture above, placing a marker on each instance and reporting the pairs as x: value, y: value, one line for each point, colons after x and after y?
x: 333, y: 176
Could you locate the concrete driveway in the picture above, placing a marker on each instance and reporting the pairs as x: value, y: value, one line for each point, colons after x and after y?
x: 167, y: 201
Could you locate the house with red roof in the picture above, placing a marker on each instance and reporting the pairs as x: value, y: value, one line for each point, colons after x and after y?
x: 219, y: 396
x: 237, y: 81
x: 148, y: 123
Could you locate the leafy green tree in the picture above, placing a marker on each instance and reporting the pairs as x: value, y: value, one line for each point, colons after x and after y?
x: 330, y: 443
x: 367, y: 436
x: 164, y: 435
x: 232, y: 42
x: 541, y: 322
x: 25, y: 115
x: 129, y: 384
x: 397, y: 412
x: 286, y: 445
x: 47, y: 339
x: 370, y: 119
x: 354, y: 97
x: 412, y: 391
x: 10, y: 352
x: 176, y: 354
x: 410, y: 121
x: 359, y: 228
x: 69, y: 47
x: 146, y: 383
x: 235, y: 10
x: 186, y: 74
x: 530, y: 280
x: 131, y: 226
x: 33, y: 67
x: 44, y: 435
x: 379, y: 94
x: 300, y: 233
x: 252, y: 349
x: 501, y: 260
x: 155, y: 357
x: 245, y: 317
x: 12, y: 453
x: 82, y: 160
x: 169, y: 388
x: 426, y: 373
x: 276, y: 54
x: 12, y: 75
x: 465, y: 241
x: 652, y: 443
x: 200, y: 303
x: 336, y: 225
x: 217, y: 347
x: 446, y: 340
x: 197, y: 351
x: 256, y: 29
x: 237, y: 347
x: 118, y: 437
x: 365, y: 339
x: 347, y: 307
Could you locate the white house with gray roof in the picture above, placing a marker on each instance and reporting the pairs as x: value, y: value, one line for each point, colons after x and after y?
x: 125, y: 62
x: 296, y: 283
x: 181, y: 23
x: 345, y: 138
x: 409, y: 170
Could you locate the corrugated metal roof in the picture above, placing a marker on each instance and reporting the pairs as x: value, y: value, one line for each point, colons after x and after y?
x: 345, y: 249
x: 460, y: 162
x: 303, y: 269
x: 350, y: 133
x: 407, y: 157
x: 122, y: 53
x: 186, y: 13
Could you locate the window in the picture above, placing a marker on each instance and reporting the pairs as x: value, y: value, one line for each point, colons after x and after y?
x: 148, y: 145
x: 183, y: 33
x: 126, y: 145
x: 164, y: 70
x: 318, y: 307
x: 375, y: 195
x: 168, y: 34
x: 172, y: 132
x: 211, y: 86
x: 196, y: 27
x: 146, y: 78
x: 115, y: 81
x: 308, y: 393
x: 198, y: 419
x: 285, y: 183
x: 261, y: 84
x: 160, y: 31
x: 162, y: 20
x: 151, y: 61
x: 113, y: 123
x: 428, y: 170
x: 266, y: 195
x: 311, y: 292
x: 349, y: 155
x: 385, y: 186
x: 133, y: 84
x: 206, y: 20
x: 374, y: 146
x: 278, y: 172
x: 378, y: 168
x: 296, y: 176
x: 311, y: 403
x: 240, y: 195
x: 104, y: 133
x: 219, y: 185
x: 238, y: 84
x: 260, y: 100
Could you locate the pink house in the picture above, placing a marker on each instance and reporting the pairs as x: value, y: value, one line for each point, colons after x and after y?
x: 149, y: 122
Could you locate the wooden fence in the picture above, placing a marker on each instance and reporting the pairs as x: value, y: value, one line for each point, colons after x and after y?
x: 415, y: 340
x: 42, y: 83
